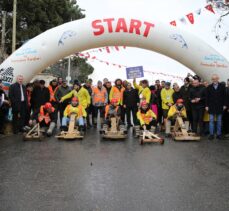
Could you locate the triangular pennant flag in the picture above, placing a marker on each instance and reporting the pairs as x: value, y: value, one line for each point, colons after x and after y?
x: 198, y: 12
x: 107, y: 49
x: 173, y: 23
x: 209, y: 8
x: 190, y: 17
x: 183, y: 20
x: 117, y: 48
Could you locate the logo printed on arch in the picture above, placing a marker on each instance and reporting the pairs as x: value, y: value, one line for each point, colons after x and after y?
x: 122, y: 26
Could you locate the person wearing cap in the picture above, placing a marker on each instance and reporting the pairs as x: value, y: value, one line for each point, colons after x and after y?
x: 81, y: 93
x: 46, y: 118
x: 99, y: 101
x: 197, y: 99
x: 61, y: 91
x: 167, y: 100
x: 4, y: 107
x: 143, y: 90
x: 90, y: 108
x: 176, y: 110
x: 146, y: 117
x: 117, y: 93
x: 40, y: 95
x: 77, y: 109
x: 130, y: 103
x: 185, y: 92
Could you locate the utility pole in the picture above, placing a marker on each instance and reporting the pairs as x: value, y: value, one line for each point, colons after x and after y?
x: 3, y: 34
x: 14, y: 26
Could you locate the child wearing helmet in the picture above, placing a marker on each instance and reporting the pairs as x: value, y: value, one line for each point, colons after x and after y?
x: 46, y: 117
x: 77, y: 109
x: 146, y: 116
x: 113, y: 109
x: 177, y: 109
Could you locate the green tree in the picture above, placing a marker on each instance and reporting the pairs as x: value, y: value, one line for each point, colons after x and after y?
x: 80, y: 69
x: 35, y: 17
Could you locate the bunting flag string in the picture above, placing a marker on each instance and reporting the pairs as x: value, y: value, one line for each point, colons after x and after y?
x: 190, y: 16
x: 124, y: 66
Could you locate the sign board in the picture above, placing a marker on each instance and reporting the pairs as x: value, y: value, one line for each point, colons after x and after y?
x: 134, y: 72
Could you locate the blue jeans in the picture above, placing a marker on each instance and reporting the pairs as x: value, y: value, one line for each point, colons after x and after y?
x: 212, y: 125
x: 79, y: 121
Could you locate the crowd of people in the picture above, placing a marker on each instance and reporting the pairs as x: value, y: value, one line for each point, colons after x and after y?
x: 204, y: 107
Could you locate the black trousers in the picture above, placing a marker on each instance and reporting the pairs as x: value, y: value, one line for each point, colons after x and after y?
x: 90, y: 111
x: 100, y: 110
x: 123, y: 113
x: 3, y: 115
x: 148, y: 127
x: 198, y: 115
x: 19, y: 117
x: 61, y: 109
x: 190, y: 118
x: 226, y: 122
x: 133, y: 110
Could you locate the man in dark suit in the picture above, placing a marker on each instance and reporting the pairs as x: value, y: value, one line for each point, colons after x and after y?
x: 18, y: 99
x: 215, y: 105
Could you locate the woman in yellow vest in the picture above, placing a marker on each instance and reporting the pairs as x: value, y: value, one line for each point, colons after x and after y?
x: 176, y: 110
x: 146, y: 116
x: 143, y: 90
x: 77, y: 109
x: 81, y: 93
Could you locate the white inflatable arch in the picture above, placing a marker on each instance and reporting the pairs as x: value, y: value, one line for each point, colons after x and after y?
x: 76, y: 36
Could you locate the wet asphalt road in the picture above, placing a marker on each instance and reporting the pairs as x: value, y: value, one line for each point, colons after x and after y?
x: 99, y: 175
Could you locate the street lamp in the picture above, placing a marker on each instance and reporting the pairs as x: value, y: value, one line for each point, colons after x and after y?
x: 14, y: 25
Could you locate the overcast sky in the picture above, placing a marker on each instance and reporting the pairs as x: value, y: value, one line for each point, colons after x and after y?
x: 163, y: 10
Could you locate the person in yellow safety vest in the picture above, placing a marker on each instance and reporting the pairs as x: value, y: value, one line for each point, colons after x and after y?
x: 74, y: 108
x: 81, y: 93
x: 46, y: 117
x: 176, y: 110
x: 146, y: 117
x: 167, y: 100
x: 143, y: 90
x: 117, y: 93
x: 99, y: 101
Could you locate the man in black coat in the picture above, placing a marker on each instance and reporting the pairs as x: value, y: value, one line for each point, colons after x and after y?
x: 215, y: 105
x: 130, y: 103
x: 226, y: 113
x: 197, y: 99
x: 185, y: 93
x: 18, y: 100
x: 40, y: 96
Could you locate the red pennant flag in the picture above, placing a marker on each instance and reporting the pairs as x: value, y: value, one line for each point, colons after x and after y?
x: 209, y: 8
x: 173, y: 23
x: 117, y: 48
x: 100, y: 50
x: 94, y: 57
x: 107, y: 49
x: 107, y: 63
x: 190, y: 17
x: 120, y: 66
